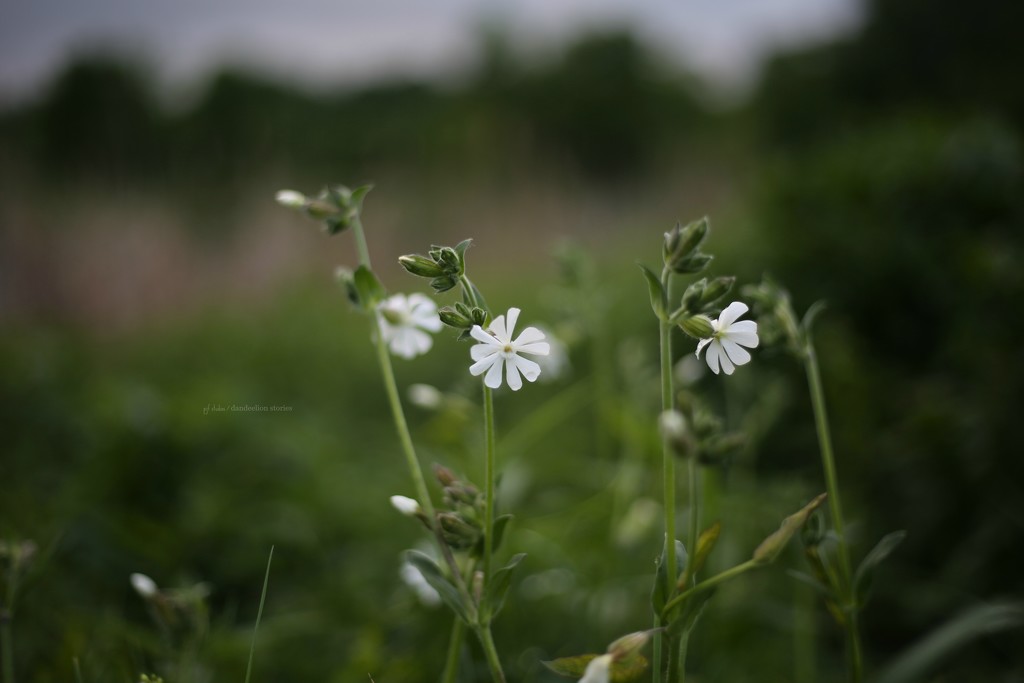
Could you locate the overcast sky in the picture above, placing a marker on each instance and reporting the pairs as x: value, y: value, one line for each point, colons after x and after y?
x: 339, y: 41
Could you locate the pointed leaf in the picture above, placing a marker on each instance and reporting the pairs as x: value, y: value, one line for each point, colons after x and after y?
x: 659, y: 300
x: 368, y: 287
x: 770, y: 547
x: 570, y: 667
x: 497, y: 589
x: 865, y: 572
x: 705, y: 544
x: 437, y: 580
x: 500, y: 525
x: 659, y: 594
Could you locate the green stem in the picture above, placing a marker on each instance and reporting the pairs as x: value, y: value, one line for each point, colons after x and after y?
x: 853, y: 647
x: 804, y: 640
x: 684, y: 642
x: 484, y: 633
x: 668, y: 468
x: 388, y: 373
x: 451, y: 664
x: 730, y: 573
x: 259, y: 615
x: 656, y: 650
x: 489, y: 475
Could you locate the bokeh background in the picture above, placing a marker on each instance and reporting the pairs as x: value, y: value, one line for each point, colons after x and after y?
x: 865, y: 153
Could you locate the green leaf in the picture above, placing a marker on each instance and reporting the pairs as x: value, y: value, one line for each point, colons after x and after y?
x: 916, y: 662
x: 460, y: 249
x: 659, y: 594
x: 811, y: 315
x: 814, y: 583
x: 705, y: 544
x: 570, y: 667
x: 770, y: 547
x: 690, y: 612
x: 368, y: 287
x: 497, y: 589
x: 437, y: 580
x: 659, y: 300
x: 865, y: 572
x: 500, y: 524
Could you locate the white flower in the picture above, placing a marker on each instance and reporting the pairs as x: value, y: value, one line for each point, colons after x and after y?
x: 425, y: 396
x: 407, y: 506
x: 496, y: 350
x: 556, y: 363
x: 291, y: 199
x: 599, y: 670
x: 143, y: 585
x: 725, y: 346
x: 403, y: 320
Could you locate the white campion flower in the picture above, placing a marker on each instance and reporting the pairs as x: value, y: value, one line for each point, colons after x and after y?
x: 599, y: 670
x: 725, y: 346
x: 413, y: 578
x: 143, y: 585
x: 497, y: 350
x: 403, y: 320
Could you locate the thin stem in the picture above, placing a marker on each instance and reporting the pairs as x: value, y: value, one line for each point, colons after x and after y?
x: 451, y: 665
x: 384, y: 360
x: 493, y: 663
x: 684, y: 641
x: 853, y: 646
x: 804, y: 636
x: 730, y: 573
x: 489, y: 475
x: 656, y: 650
x: 668, y: 471
x: 259, y: 615
x: 7, y: 645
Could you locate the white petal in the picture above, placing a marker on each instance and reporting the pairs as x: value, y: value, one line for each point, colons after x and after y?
x: 497, y: 328
x: 700, y: 347
x: 723, y: 358
x: 478, y: 333
x: 422, y: 341
x: 712, y: 356
x: 529, y: 335
x: 404, y: 344
x: 478, y: 367
x: 515, y: 382
x: 513, y: 316
x: 731, y: 313
x: 598, y: 670
x: 536, y: 348
x: 481, y: 351
x: 744, y: 333
x: 493, y: 376
x: 737, y: 354
x: 530, y: 370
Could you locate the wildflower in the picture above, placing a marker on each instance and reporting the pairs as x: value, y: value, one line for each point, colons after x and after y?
x: 598, y: 670
x: 143, y: 585
x: 497, y: 350
x: 403, y: 320
x: 407, y: 506
x: 426, y: 396
x: 726, y: 343
x: 413, y: 578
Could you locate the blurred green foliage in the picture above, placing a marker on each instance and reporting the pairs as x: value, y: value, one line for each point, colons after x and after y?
x: 885, y: 175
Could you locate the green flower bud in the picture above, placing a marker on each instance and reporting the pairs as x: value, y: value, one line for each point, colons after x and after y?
x: 443, y: 283
x: 457, y: 532
x: 692, y: 296
x: 291, y: 199
x: 629, y: 644
x: 682, y: 242
x: 692, y: 264
x: 420, y: 266
x: 451, y: 317
x: 697, y: 326
x: 774, y: 544
x: 346, y: 279
x: 716, y: 289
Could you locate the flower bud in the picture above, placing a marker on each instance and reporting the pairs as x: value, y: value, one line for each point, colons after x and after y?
x: 598, y: 670
x: 444, y: 475
x: 697, y: 326
x: 420, y: 266
x: 681, y: 243
x: 457, y: 532
x: 675, y: 432
x: 321, y: 210
x: 407, y: 506
x: 143, y: 585
x: 451, y: 317
x: 425, y: 396
x: 775, y: 543
x: 716, y: 289
x: 291, y: 199
x: 629, y: 644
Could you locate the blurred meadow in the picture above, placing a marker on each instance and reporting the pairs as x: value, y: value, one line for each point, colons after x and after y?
x: 147, y: 277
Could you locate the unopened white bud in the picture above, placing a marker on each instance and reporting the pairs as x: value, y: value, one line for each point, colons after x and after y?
x: 425, y: 396
x: 291, y: 199
x: 143, y: 585
x: 407, y: 506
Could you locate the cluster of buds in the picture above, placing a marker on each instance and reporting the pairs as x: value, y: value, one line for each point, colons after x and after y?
x: 693, y: 431
x: 681, y: 250
x: 445, y: 266
x: 461, y: 524
x: 463, y: 317
x: 778, y: 321
x: 337, y: 207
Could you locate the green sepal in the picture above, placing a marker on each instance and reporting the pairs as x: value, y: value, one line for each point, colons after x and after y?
x: 368, y: 288
x: 437, y: 580
x: 865, y: 572
x: 460, y: 249
x: 705, y: 544
x: 497, y: 589
x: 770, y: 547
x: 659, y: 593
x: 570, y: 667
x: 692, y: 264
x: 659, y: 300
